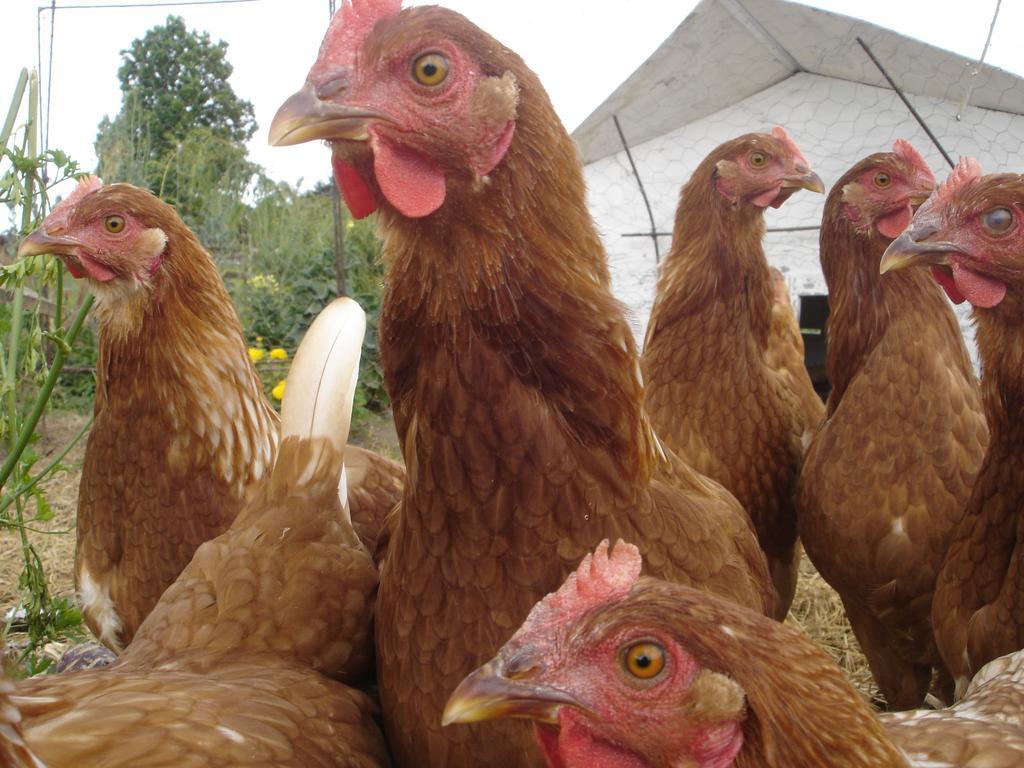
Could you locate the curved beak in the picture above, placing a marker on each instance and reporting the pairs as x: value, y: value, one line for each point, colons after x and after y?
x: 307, y: 117
x: 809, y: 180
x: 40, y: 242
x: 487, y: 694
x: 905, y: 251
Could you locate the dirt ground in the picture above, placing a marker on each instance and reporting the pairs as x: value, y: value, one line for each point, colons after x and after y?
x: 816, y: 610
x: 53, y: 540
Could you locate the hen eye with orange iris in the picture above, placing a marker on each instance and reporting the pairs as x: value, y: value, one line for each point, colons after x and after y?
x: 882, y: 180
x: 430, y: 69
x: 644, y: 661
x: 997, y: 221
x: 758, y: 159
x: 113, y: 224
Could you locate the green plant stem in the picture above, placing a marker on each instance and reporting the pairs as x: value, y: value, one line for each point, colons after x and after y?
x: 58, y: 300
x: 42, y: 475
x: 12, y: 113
x: 28, y: 428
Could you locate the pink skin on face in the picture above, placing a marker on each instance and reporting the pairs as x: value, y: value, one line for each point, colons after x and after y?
x: 464, y: 124
x: 963, y: 282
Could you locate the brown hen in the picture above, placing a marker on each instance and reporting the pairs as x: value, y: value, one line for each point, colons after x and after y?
x: 619, y: 671
x: 887, y: 477
x: 714, y: 391
x: 182, y: 430
x: 511, y: 368
x: 785, y: 353
x: 970, y: 231
x: 233, y: 667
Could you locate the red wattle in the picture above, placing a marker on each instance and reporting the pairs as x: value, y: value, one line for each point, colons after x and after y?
x: 412, y: 183
x: 98, y: 272
x: 766, y: 198
x: 892, y: 224
x: 948, y: 285
x: 358, y: 196
x: 981, y: 290
x: 76, y: 271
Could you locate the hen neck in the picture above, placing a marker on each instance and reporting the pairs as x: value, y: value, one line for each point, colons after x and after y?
x: 717, y: 258
x: 509, y: 279
x: 865, y: 304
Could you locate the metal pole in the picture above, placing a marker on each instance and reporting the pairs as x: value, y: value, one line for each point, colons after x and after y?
x: 643, y: 193
x: 339, y: 241
x: 909, y: 106
x: 339, y: 228
x: 809, y: 228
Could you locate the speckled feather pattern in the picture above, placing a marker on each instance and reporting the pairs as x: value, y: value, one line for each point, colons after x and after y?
x: 517, y: 400
x: 255, y: 712
x: 232, y: 665
x: 14, y: 751
x: 374, y: 489
x: 889, y: 474
x: 785, y: 353
x: 983, y: 730
x: 979, y: 598
x: 181, y: 426
x: 714, y: 393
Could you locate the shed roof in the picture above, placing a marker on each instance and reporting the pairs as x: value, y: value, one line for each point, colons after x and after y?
x: 727, y: 50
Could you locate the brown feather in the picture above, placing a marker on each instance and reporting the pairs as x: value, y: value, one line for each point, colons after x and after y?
x: 887, y: 477
x: 713, y: 392
x: 979, y: 598
x: 181, y: 431
x: 785, y: 353
x: 517, y: 400
x: 234, y: 664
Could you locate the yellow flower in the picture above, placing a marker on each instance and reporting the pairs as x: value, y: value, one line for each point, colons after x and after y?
x: 278, y: 354
x: 278, y: 391
x: 256, y: 354
x: 349, y: 224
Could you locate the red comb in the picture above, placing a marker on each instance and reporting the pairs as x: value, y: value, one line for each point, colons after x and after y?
x: 600, y: 578
x: 904, y: 150
x: 62, y: 211
x: 347, y: 31
x: 780, y: 133
x: 967, y: 169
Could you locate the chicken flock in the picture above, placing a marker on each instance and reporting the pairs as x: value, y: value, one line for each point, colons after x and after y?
x: 277, y: 597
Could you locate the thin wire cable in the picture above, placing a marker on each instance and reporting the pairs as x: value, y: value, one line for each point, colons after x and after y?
x: 39, y: 54
x: 977, y: 67
x: 144, y: 5
x: 49, y: 82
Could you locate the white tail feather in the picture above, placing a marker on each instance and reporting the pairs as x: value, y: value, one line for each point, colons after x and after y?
x: 321, y: 384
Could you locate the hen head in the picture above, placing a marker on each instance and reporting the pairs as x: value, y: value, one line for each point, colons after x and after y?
x: 880, y: 193
x: 410, y: 101
x: 606, y: 679
x: 762, y: 169
x: 971, y: 233
x: 104, y: 234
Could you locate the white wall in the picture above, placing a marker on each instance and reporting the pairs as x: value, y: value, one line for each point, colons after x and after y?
x: 834, y: 122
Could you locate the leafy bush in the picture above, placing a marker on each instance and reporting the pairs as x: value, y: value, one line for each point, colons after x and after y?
x: 32, y: 354
x: 293, y: 276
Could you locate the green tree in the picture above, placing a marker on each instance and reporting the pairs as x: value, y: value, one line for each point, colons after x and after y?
x: 180, y: 79
x: 181, y: 128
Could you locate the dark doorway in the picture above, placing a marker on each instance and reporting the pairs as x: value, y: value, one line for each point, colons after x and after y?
x: 813, y: 319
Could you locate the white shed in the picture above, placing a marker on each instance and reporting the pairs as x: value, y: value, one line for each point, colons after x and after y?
x: 734, y: 66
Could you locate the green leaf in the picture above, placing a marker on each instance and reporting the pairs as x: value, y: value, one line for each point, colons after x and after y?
x: 44, y: 512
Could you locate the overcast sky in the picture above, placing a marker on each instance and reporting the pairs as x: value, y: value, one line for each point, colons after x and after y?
x: 582, y: 50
